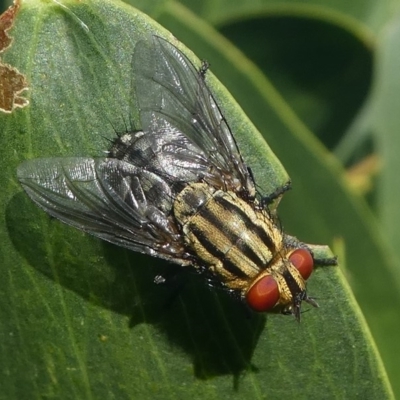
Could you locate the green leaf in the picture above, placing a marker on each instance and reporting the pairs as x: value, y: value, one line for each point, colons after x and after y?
x: 320, y: 206
x: 82, y: 318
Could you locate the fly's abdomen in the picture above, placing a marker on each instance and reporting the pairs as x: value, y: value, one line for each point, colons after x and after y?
x: 232, y: 238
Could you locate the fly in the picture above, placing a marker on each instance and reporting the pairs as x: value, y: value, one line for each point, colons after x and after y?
x: 178, y: 189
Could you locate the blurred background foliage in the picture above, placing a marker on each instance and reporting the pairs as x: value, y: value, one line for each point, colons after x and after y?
x: 333, y: 70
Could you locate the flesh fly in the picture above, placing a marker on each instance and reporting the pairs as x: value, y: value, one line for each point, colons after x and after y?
x: 179, y: 189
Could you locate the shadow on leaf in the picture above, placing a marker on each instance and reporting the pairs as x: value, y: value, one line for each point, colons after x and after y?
x: 216, y: 331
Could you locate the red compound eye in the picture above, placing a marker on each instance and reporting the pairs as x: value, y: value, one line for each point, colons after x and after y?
x: 264, y: 294
x: 302, y: 260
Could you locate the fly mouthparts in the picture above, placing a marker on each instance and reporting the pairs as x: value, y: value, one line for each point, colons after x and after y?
x: 296, y: 308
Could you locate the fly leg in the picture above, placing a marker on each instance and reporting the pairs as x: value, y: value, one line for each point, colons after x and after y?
x: 275, y: 196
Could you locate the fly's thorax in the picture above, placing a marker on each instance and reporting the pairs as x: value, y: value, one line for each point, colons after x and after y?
x: 190, y: 200
x: 234, y: 239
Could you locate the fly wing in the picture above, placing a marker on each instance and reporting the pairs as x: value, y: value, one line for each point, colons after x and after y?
x: 109, y: 198
x: 181, y: 116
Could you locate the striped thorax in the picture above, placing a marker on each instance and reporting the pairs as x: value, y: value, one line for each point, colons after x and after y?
x: 241, y: 244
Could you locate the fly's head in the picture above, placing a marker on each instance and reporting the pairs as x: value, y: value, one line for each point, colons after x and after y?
x: 281, y: 287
